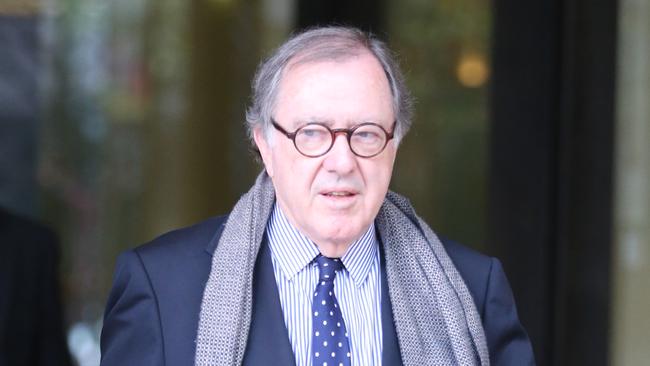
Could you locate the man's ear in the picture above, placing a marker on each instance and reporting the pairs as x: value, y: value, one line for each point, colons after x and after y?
x: 265, y: 150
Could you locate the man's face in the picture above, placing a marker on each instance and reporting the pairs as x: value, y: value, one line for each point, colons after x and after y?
x: 335, y: 197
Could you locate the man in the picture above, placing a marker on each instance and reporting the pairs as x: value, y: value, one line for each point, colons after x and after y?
x: 318, y: 264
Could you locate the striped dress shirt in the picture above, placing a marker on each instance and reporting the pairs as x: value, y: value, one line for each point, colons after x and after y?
x: 357, y: 288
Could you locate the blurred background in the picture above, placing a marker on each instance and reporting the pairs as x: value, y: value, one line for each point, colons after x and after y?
x: 123, y: 119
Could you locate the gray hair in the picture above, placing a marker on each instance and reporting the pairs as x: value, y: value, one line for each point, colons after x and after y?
x: 318, y: 44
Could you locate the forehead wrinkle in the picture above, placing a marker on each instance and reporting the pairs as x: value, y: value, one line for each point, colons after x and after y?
x: 311, y: 58
x: 331, y: 123
x: 299, y: 121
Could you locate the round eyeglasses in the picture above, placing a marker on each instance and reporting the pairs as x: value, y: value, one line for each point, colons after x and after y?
x: 316, y: 139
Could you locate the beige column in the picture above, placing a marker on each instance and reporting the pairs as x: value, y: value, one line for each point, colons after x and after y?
x: 630, y: 322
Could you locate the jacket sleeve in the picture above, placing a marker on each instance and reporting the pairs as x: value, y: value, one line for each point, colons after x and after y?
x: 131, y: 334
x: 507, y: 339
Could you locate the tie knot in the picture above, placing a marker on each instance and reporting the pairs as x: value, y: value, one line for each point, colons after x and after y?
x: 327, y: 267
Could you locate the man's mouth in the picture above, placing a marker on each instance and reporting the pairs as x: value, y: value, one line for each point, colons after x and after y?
x: 339, y: 198
x: 338, y: 194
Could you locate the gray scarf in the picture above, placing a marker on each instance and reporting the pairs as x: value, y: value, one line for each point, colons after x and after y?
x: 435, y: 317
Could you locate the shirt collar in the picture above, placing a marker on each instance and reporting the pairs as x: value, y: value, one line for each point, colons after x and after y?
x: 294, y: 251
x: 360, y: 256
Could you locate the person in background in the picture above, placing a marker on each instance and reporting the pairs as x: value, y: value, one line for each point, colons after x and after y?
x: 31, y: 315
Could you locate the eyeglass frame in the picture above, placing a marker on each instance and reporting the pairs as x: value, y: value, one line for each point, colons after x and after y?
x: 334, y: 132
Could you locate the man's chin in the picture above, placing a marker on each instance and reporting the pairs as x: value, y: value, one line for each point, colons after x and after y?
x: 343, y: 235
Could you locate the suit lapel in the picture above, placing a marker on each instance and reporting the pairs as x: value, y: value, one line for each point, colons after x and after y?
x: 268, y: 340
x: 391, y: 353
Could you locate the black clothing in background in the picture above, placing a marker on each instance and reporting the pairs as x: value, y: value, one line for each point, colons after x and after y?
x: 31, y: 324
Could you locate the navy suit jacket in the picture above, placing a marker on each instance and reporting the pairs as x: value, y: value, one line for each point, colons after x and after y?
x: 152, y: 313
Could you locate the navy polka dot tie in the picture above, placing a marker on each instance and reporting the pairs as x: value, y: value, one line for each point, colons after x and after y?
x: 329, y: 340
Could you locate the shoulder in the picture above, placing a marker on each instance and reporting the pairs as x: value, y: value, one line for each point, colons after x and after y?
x: 172, y: 257
x: 180, y: 253
x: 22, y: 229
x: 171, y: 248
x: 156, y: 297
x: 474, y: 267
x: 26, y: 241
x: 185, y: 240
x: 484, y: 276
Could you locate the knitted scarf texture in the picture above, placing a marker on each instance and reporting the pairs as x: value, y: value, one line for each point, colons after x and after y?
x: 435, y: 318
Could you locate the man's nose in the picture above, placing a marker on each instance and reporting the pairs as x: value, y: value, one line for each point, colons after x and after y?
x: 340, y: 158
